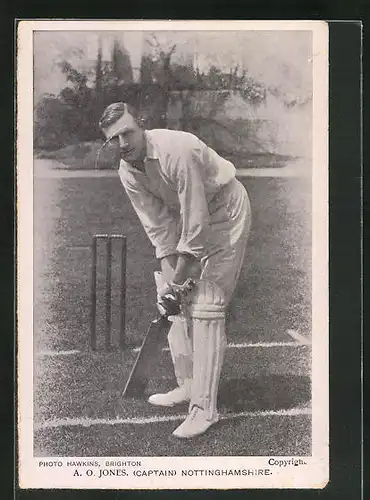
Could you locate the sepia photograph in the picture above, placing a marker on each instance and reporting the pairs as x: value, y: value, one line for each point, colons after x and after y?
x: 172, y: 207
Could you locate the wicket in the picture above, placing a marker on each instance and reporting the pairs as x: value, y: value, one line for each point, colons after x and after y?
x: 108, y: 289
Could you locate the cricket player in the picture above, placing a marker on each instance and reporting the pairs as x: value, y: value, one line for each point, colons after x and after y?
x: 197, y: 215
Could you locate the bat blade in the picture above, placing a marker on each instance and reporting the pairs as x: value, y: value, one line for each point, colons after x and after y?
x: 147, y: 358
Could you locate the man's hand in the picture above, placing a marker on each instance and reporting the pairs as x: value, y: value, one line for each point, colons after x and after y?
x: 175, y: 284
x: 183, y: 268
x: 171, y: 296
x: 168, y: 266
x: 169, y: 304
x: 178, y: 267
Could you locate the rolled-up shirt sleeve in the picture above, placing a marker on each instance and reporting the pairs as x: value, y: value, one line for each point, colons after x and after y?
x: 193, y: 204
x: 158, y: 222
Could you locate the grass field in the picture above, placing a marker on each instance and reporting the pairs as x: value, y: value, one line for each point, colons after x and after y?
x: 265, y: 378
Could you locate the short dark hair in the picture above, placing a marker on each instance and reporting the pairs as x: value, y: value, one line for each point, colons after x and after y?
x: 114, y: 111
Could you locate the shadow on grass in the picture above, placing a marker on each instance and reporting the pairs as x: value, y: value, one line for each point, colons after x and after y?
x: 264, y: 393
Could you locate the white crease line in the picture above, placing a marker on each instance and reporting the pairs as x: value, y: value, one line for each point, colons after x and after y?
x: 242, y: 345
x: 245, y: 345
x: 60, y: 173
x: 269, y: 172
x: 263, y: 344
x: 298, y: 337
x: 89, y: 422
x: 58, y: 353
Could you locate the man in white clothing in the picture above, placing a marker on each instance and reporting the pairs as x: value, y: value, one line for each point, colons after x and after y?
x: 195, y: 213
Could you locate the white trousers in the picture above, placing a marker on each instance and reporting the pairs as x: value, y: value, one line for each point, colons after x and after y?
x: 230, y: 222
x: 197, y: 345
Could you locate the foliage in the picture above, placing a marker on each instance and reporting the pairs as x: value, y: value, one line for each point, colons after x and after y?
x: 72, y: 116
x: 121, y: 64
x: 51, y: 124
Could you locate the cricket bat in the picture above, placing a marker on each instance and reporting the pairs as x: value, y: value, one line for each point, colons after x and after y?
x: 147, y: 358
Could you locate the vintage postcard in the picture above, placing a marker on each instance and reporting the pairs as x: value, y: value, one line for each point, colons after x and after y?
x: 172, y: 254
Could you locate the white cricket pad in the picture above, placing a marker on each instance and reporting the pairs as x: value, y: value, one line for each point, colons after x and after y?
x: 179, y: 341
x: 181, y: 350
x: 209, y: 343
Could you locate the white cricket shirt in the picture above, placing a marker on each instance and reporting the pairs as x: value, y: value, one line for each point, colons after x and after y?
x: 175, y: 198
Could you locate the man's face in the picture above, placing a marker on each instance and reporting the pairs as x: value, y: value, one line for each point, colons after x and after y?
x: 129, y: 136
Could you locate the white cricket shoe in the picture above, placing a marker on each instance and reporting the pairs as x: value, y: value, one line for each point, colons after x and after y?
x: 172, y: 398
x: 196, y: 423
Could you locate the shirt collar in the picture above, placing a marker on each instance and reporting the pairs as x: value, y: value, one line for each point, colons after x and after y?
x: 151, y: 153
x: 151, y: 150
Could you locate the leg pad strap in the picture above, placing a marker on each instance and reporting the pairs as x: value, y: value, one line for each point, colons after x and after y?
x: 208, y: 301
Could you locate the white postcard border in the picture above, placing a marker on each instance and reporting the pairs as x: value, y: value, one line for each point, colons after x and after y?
x: 315, y: 473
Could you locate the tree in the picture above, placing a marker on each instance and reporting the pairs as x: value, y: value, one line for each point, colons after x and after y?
x: 147, y: 69
x: 162, y: 55
x: 82, y: 104
x: 77, y: 79
x: 99, y: 69
x: 50, y: 130
x: 183, y: 77
x: 121, y: 64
